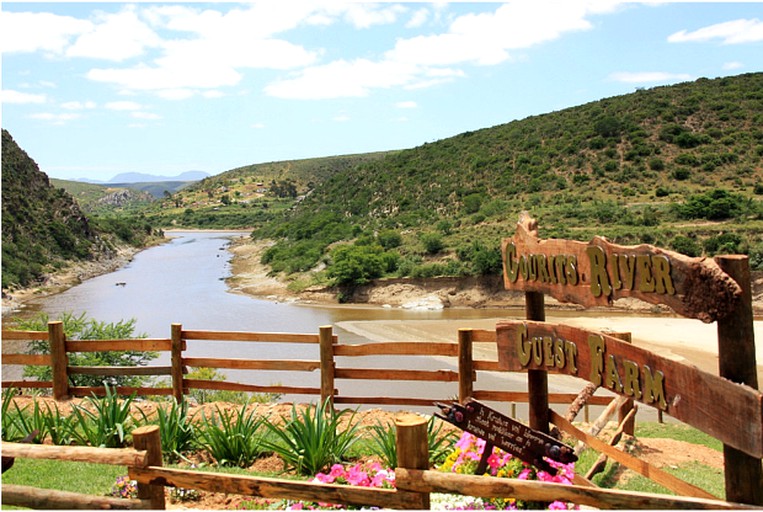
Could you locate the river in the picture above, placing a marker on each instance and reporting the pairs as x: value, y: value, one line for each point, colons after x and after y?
x: 183, y: 281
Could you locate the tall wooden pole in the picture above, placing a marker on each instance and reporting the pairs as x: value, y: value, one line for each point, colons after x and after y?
x: 736, y: 358
x: 537, y: 380
x: 59, y: 360
x: 465, y: 365
x: 326, y: 340
x: 177, y: 362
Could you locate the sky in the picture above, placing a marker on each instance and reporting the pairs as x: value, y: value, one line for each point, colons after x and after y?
x: 91, y: 90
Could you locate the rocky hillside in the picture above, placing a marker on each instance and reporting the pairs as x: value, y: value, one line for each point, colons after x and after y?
x: 45, y: 229
x: 42, y: 225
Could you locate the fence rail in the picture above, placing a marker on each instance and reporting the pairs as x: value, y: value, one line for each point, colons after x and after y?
x: 462, y: 369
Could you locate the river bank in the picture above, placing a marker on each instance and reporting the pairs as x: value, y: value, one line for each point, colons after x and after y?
x: 14, y: 299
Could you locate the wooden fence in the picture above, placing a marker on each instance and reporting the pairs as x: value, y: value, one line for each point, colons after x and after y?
x: 460, y: 353
x: 334, y: 379
x: 414, y: 481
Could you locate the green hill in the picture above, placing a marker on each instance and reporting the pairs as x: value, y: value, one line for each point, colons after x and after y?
x: 44, y: 228
x: 676, y: 166
x: 96, y: 198
x: 41, y: 224
x: 253, y: 195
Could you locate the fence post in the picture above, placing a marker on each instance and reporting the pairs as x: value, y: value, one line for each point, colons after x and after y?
x: 413, y: 451
x: 537, y: 380
x: 177, y: 362
x: 736, y: 360
x: 148, y: 438
x: 465, y: 365
x: 59, y: 360
x: 326, y: 339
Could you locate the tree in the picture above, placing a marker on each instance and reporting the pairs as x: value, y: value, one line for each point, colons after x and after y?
x: 82, y: 328
x: 358, y: 264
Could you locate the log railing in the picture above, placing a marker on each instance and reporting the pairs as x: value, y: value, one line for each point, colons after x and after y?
x: 414, y: 481
x: 147, y: 452
x: 458, y: 367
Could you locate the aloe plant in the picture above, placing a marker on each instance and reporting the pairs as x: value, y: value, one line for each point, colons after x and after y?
x: 58, y: 426
x: 107, y: 424
x: 313, y: 439
x: 176, y: 429
x: 11, y: 431
x: 233, y: 439
x: 383, y: 441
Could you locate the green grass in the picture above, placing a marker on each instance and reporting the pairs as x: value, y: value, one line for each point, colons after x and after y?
x: 81, y: 477
x: 679, y: 432
x: 700, y: 475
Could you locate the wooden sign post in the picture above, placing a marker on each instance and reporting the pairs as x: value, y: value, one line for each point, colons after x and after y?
x: 597, y: 273
x: 508, y: 434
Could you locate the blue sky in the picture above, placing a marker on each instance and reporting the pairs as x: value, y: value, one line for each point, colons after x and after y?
x: 91, y: 90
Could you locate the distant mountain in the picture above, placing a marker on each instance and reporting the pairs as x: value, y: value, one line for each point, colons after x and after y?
x: 139, y: 177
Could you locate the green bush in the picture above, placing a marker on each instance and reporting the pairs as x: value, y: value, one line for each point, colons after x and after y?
x: 686, y: 245
x: 83, y: 328
x: 358, y: 264
x: 718, y: 204
x: 433, y: 242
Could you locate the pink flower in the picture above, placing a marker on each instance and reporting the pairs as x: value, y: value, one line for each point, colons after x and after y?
x: 525, y: 474
x: 557, y: 505
x: 356, y: 476
x: 495, y: 461
x: 337, y: 471
x: 324, y: 478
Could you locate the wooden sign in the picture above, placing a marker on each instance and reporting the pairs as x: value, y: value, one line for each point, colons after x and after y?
x: 730, y: 412
x: 508, y: 434
x: 599, y: 272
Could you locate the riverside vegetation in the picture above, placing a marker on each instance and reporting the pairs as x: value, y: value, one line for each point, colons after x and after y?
x: 676, y: 166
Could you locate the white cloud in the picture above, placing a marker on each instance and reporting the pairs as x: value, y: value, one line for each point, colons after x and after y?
x: 486, y: 38
x: 32, y: 32
x: 218, y: 47
x: 730, y: 32
x: 406, y: 104
x: 145, y: 115
x: 176, y: 94
x: 649, y: 77
x: 363, y: 15
x: 418, y: 19
x: 124, y: 105
x: 115, y: 37
x: 342, y: 117
x: 343, y: 79
x: 424, y: 61
x: 732, y: 65
x: 78, y: 105
x: 19, y: 98
x: 55, y: 118
x: 258, y: 126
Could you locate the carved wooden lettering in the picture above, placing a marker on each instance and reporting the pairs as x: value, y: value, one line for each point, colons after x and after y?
x: 599, y: 272
x: 708, y: 402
